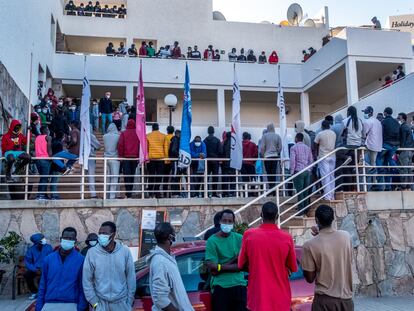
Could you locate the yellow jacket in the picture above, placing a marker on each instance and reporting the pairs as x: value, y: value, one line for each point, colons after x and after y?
x: 156, y: 145
x: 167, y: 142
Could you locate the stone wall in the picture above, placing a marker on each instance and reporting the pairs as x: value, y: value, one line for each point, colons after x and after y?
x: 381, y: 226
x: 14, y: 101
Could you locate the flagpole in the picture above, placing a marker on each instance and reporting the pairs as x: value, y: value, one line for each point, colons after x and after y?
x: 28, y: 137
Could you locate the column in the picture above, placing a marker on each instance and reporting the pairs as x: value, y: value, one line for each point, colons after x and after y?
x: 221, y: 109
x: 351, y: 81
x: 130, y: 94
x: 304, y: 108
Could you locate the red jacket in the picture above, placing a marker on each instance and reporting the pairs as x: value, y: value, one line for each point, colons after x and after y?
x: 206, y: 54
x: 142, y: 51
x: 128, y: 145
x: 176, y: 52
x: 12, y: 142
x: 273, y: 58
x: 250, y: 151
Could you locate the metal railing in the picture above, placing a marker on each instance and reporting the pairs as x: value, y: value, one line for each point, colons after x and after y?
x: 124, y: 176
x: 354, y: 173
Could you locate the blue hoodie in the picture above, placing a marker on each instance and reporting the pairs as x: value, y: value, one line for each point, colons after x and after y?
x: 33, y: 259
x: 61, y: 282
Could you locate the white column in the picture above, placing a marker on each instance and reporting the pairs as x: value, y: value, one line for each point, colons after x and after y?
x: 304, y: 108
x: 129, y: 94
x: 221, y: 109
x: 351, y: 81
x: 407, y: 67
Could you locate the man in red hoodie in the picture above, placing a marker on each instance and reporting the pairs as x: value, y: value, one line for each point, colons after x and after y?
x: 128, y: 147
x: 250, y: 151
x: 12, y: 146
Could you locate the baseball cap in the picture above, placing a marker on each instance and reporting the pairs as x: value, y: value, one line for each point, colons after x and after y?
x: 369, y: 109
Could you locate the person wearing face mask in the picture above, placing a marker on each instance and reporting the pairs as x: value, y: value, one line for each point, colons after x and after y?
x: 373, y: 140
x: 33, y: 261
x: 109, y: 273
x: 60, y: 285
x: 95, y: 115
x: 198, y: 151
x: 105, y: 110
x: 73, y: 113
x: 167, y: 289
x: 13, y: 144
x: 91, y: 241
x: 228, y: 285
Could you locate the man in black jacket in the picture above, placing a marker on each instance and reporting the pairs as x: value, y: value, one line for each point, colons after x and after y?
x: 229, y: 174
x: 214, y: 150
x: 391, y: 141
x: 406, y: 156
x: 176, y: 172
x: 105, y: 110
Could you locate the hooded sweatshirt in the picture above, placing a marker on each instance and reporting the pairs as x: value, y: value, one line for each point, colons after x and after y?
x: 109, y: 276
x: 338, y: 128
x: 111, y: 139
x: 95, y: 145
x: 12, y: 142
x: 165, y: 281
x: 271, y: 143
x: 300, y: 128
x: 128, y: 146
x: 33, y: 259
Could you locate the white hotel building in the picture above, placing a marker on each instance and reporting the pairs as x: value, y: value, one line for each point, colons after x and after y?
x: 339, y: 74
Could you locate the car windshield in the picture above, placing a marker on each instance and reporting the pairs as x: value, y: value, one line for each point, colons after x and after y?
x: 141, y: 263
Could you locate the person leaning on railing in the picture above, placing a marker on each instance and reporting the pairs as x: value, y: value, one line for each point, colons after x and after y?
x: 70, y: 8
x: 406, y: 156
x: 111, y: 139
x: 155, y: 166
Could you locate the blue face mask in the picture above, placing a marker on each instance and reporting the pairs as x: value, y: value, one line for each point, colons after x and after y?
x: 226, y: 228
x: 93, y: 243
x: 67, y: 244
x: 104, y: 239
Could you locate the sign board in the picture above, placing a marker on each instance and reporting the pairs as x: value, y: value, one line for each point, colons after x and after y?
x: 403, y: 23
x: 150, y: 218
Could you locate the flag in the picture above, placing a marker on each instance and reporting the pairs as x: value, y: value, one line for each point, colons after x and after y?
x: 284, y: 155
x: 140, y: 124
x: 184, y: 158
x: 236, y: 152
x: 85, y: 139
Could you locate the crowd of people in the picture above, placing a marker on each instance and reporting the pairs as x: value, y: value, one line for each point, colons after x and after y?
x: 209, y: 54
x: 95, y: 10
x: 397, y: 74
x: 55, y: 133
x: 103, y: 276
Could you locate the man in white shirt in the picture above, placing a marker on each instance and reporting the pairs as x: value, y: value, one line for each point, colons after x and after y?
x: 325, y: 143
x: 373, y: 140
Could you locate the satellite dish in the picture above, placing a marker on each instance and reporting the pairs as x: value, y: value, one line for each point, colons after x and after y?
x: 294, y: 14
x: 309, y: 23
x: 218, y: 16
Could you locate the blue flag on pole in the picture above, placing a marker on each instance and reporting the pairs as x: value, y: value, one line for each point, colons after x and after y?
x: 184, y: 158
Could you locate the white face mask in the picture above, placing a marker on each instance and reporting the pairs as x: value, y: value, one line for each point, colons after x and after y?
x: 44, y: 110
x: 366, y: 116
x: 73, y: 108
x: 43, y: 241
x: 108, y: 96
x: 60, y: 104
x: 197, y: 144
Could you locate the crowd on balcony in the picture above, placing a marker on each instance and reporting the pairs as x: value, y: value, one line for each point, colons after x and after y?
x: 95, y: 10
x: 193, y: 53
x: 55, y: 133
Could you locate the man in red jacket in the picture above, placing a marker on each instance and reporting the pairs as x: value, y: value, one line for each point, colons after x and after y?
x: 128, y: 147
x: 250, y: 151
x: 12, y: 146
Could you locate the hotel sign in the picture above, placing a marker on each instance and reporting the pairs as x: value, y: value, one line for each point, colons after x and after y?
x: 401, y: 24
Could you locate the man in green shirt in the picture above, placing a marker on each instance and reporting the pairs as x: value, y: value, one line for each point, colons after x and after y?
x: 150, y: 50
x: 228, y: 285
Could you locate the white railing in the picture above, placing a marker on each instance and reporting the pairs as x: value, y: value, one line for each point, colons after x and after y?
x: 357, y: 175
x: 194, y: 181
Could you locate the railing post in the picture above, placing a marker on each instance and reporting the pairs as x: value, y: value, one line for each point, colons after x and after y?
x: 82, y: 183
x: 105, y: 182
x: 357, y: 169
x: 364, y: 170
x: 282, y: 167
x: 143, y: 181
x: 237, y: 183
x: 206, y: 178
x: 26, y: 183
x: 188, y: 182
x: 278, y: 205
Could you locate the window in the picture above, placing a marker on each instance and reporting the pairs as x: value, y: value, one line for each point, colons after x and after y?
x: 52, y: 30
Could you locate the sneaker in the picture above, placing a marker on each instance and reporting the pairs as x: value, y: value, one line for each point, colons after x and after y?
x: 41, y: 198
x: 67, y: 171
x: 55, y: 198
x: 32, y: 296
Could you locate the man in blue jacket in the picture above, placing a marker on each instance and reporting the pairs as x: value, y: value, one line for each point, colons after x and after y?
x: 61, y: 282
x: 34, y: 261
x: 198, y: 151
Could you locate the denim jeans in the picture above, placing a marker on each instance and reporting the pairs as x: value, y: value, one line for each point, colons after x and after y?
x: 54, y: 184
x: 43, y: 167
x: 385, y: 158
x: 106, y: 117
x: 65, y: 155
x: 301, y: 182
x: 370, y: 160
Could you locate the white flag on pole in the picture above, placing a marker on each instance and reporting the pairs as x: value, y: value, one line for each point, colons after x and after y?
x: 85, y: 140
x: 236, y: 152
x: 284, y: 155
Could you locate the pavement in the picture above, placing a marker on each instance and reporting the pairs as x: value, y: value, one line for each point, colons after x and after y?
x: 361, y: 304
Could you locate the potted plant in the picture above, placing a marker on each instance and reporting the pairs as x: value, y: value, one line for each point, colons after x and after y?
x: 8, y: 246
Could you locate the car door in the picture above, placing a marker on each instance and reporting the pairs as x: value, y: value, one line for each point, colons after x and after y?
x: 195, y: 278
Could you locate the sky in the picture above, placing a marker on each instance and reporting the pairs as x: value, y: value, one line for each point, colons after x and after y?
x: 341, y: 12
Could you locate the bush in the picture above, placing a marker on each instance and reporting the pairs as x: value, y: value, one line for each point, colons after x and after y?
x: 8, y: 246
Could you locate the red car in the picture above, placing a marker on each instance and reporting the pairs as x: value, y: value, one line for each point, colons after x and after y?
x: 190, y: 259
